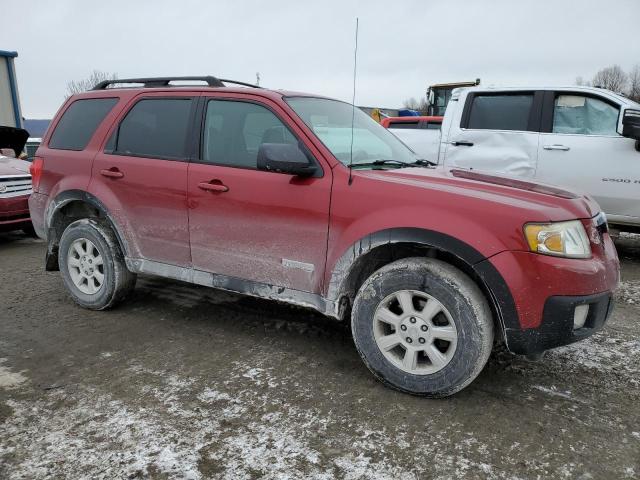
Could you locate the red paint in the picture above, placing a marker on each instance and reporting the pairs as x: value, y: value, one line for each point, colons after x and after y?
x: 244, y: 223
x: 14, y: 211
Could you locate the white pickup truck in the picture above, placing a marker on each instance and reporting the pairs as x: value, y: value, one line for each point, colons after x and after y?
x: 584, y: 138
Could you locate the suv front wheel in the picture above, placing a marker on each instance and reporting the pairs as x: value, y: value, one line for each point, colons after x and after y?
x: 422, y: 326
x: 93, y: 266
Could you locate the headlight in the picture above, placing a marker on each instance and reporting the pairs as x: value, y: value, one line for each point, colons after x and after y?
x: 562, y: 239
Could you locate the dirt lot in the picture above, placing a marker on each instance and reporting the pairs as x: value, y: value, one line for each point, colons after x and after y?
x: 188, y: 382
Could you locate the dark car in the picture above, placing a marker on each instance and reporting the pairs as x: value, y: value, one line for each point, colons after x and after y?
x: 15, y: 182
x: 307, y: 200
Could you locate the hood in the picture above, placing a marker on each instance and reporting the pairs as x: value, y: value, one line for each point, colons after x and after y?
x: 13, y: 138
x: 13, y: 166
x: 544, y: 202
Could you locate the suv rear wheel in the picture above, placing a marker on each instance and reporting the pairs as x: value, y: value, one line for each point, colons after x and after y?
x: 422, y: 326
x: 93, y: 266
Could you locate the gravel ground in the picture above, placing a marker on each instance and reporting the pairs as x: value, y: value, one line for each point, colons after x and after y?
x: 188, y: 382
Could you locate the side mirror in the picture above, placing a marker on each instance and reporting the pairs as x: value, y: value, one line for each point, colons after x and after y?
x: 631, y: 124
x: 285, y: 158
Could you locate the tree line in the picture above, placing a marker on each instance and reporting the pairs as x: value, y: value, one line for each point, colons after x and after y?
x: 612, y: 78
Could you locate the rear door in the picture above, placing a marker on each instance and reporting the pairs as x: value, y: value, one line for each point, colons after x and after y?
x: 141, y: 176
x: 496, y: 132
x: 581, y: 147
x: 254, y: 225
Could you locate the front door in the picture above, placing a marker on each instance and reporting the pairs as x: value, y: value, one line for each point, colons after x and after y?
x: 495, y: 132
x: 262, y: 226
x: 141, y: 177
x: 583, y: 150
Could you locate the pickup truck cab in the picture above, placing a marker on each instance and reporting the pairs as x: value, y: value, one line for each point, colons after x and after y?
x: 307, y: 200
x: 579, y: 137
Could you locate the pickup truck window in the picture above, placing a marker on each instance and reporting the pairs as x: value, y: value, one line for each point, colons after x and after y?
x: 500, y: 112
x: 331, y: 121
x: 578, y: 114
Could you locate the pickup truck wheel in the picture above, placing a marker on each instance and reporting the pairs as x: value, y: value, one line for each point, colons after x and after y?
x: 423, y: 327
x: 93, y: 266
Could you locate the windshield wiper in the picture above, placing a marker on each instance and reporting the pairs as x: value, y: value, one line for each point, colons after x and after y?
x: 380, y: 163
x: 425, y: 162
x: 421, y: 162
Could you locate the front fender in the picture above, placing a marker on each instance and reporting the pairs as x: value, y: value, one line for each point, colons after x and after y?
x: 493, y: 284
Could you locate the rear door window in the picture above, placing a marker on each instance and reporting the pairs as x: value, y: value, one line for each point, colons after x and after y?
x: 500, y: 112
x: 155, y: 128
x: 79, y: 122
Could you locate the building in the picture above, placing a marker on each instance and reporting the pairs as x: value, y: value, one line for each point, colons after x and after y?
x: 10, y: 114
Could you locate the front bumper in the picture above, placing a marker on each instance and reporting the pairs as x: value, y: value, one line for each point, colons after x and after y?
x: 14, y: 213
x: 539, y: 294
x: 557, y: 328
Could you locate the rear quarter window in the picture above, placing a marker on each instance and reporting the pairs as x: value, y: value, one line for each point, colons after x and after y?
x: 79, y: 122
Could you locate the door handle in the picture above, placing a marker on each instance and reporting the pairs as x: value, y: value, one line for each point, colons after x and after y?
x: 462, y: 143
x: 218, y: 186
x: 556, y: 147
x: 112, y: 173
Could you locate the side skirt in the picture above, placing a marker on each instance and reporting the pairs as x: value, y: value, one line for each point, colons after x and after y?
x: 233, y: 284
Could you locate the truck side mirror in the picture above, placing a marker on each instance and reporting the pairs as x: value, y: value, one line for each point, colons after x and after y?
x: 285, y: 158
x: 631, y: 124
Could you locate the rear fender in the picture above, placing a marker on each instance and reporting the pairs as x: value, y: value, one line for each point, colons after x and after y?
x: 54, y: 221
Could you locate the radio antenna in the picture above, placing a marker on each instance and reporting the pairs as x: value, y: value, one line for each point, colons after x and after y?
x: 353, y: 103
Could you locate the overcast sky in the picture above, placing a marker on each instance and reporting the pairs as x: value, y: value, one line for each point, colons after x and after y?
x: 404, y: 45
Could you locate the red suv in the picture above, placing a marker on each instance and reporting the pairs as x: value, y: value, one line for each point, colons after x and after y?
x: 306, y: 200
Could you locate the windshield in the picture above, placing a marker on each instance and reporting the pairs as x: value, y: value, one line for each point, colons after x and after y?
x: 330, y: 120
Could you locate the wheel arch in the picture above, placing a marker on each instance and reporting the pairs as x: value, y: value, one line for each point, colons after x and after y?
x: 67, y: 207
x: 377, y: 249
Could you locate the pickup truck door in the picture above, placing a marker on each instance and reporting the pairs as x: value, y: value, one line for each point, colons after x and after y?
x: 581, y: 147
x: 261, y: 226
x: 494, y: 132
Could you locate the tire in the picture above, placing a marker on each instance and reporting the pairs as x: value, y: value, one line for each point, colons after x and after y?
x: 110, y: 279
x: 462, y: 330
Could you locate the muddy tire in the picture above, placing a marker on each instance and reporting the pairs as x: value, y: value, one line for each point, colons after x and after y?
x: 93, y: 266
x: 423, y: 327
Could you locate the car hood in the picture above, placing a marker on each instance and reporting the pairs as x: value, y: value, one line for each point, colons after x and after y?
x: 549, y: 203
x: 13, y: 138
x: 13, y: 166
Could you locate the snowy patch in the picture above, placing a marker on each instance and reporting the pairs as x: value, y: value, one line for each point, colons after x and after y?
x: 629, y: 292
x: 557, y: 393
x: 602, y: 353
x: 9, y: 379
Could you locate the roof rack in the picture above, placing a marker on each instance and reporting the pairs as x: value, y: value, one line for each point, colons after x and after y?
x: 158, y: 82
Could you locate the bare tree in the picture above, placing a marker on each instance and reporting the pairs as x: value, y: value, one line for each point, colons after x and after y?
x: 634, y: 83
x: 582, y: 82
x: 78, y: 86
x: 612, y: 78
x: 413, y: 104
